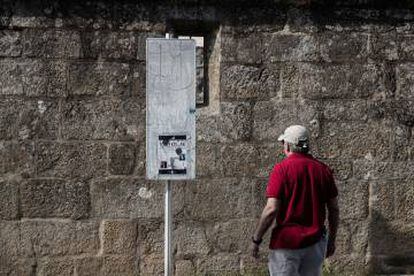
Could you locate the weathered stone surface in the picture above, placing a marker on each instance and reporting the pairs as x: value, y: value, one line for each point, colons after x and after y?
x: 10, y: 44
x: 17, y: 267
x: 101, y: 78
x: 72, y: 160
x: 401, y: 111
x: 402, y: 143
x: 236, y: 121
x: 208, y: 128
x: 191, y: 239
x: 342, y: 170
x: 406, y: 47
x: 44, y: 78
x: 349, y: 81
x: 52, y: 267
x: 356, y: 141
x: 109, y: 45
x: 9, y: 200
x: 384, y: 46
x: 88, y: 266
x: 51, y: 43
x: 119, y: 236
x: 124, y: 265
x: 130, y: 121
x: 88, y: 119
x: 366, y: 169
x: 28, y: 119
x: 249, y: 82
x: 138, y: 81
x: 38, y: 119
x: 219, y: 264
x: 352, y: 237
x: 405, y: 81
x: 393, y: 199
x: 151, y: 265
x: 184, y: 267
x: 42, y: 198
x: 290, y: 47
x: 272, y: 117
x: 17, y: 159
x: 340, y: 110
x: 243, y: 49
x: 353, y: 199
x: 206, y: 154
x: 10, y: 241
x: 219, y: 199
x: 399, y: 237
x: 268, y: 155
x: 343, y: 47
x: 131, y: 197
x: 228, y: 236
x: 150, y: 238
x: 122, y: 159
x: 347, y: 265
x: 58, y: 238
x: 10, y: 78
x: 120, y: 265
x: 238, y: 160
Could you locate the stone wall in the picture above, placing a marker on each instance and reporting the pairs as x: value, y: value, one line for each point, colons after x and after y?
x: 73, y: 194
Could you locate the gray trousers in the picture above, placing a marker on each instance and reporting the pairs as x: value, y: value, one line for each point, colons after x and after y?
x: 298, y: 262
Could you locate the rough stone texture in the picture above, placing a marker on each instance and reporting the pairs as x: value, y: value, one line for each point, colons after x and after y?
x: 122, y: 159
x: 30, y: 119
x: 242, y: 48
x: 73, y: 194
x: 91, y: 119
x: 353, y: 201
x: 291, y: 47
x: 38, y: 238
x: 119, y: 236
x: 43, y: 198
x: 9, y: 201
x: 51, y: 44
x: 131, y: 198
x: 71, y: 160
x: 10, y: 44
x: 51, y: 267
x: 101, y: 78
x: 219, y: 199
x: 249, y: 82
x: 17, y: 159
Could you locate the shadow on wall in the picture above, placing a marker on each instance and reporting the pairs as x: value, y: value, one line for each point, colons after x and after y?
x: 391, y: 245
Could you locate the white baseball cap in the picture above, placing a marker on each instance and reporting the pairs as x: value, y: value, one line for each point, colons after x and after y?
x: 295, y: 135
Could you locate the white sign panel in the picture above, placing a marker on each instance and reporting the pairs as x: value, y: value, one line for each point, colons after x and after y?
x: 170, y: 92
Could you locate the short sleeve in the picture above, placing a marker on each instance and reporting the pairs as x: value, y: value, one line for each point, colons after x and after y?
x: 331, y: 187
x: 275, y: 184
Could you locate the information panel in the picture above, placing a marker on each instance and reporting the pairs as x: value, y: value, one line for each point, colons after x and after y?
x: 170, y: 89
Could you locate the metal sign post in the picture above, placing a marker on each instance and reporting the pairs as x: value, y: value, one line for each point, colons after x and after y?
x: 167, y: 230
x: 170, y: 139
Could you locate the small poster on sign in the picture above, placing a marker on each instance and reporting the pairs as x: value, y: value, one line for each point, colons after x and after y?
x: 172, y: 154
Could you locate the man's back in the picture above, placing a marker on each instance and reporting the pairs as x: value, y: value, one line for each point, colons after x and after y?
x: 303, y: 185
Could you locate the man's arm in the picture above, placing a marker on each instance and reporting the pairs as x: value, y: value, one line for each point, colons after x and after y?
x: 266, y: 219
x: 333, y: 220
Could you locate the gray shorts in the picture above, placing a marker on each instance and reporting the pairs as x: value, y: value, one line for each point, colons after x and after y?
x: 298, y: 262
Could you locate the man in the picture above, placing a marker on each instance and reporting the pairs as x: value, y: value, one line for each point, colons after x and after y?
x: 299, y: 191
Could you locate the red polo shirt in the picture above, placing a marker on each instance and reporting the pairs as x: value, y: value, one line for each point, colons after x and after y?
x: 303, y: 185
